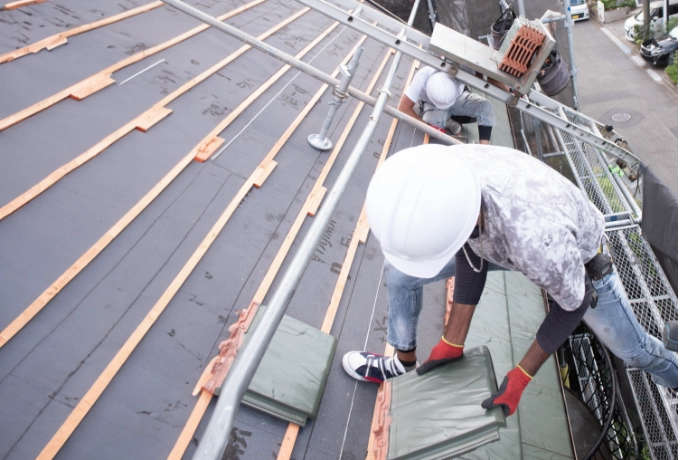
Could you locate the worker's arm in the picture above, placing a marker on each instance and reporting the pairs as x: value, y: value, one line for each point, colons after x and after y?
x: 406, y: 105
x: 514, y: 383
x: 554, y: 330
x: 469, y: 286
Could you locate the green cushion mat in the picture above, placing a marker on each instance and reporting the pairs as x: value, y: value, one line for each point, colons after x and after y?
x: 290, y: 380
x: 438, y: 415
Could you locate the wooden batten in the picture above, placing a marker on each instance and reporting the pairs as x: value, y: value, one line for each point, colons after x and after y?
x: 83, y: 89
x: 191, y: 426
x: 37, y: 305
x: 19, y: 4
x: 55, y: 42
x: 204, y: 377
x: 265, y: 173
x: 287, y: 446
x: 316, y: 198
x: 210, y: 385
x: 206, y: 148
x: 89, y: 86
x: 150, y: 118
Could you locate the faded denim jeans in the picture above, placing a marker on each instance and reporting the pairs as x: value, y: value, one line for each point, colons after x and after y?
x: 612, y: 320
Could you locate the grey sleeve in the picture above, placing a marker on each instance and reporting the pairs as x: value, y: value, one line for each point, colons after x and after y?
x: 559, y: 323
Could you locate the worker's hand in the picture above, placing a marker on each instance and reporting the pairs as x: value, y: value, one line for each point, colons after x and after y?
x: 443, y: 130
x: 510, y: 392
x: 444, y: 352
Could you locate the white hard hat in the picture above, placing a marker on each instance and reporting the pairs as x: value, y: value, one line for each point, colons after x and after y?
x: 422, y: 206
x: 441, y: 90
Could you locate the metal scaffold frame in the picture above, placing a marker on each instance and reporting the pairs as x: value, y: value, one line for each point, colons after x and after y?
x: 650, y: 293
x: 535, y: 104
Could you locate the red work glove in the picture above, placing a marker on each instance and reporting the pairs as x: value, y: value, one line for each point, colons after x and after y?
x: 443, y: 130
x: 510, y: 392
x: 442, y: 353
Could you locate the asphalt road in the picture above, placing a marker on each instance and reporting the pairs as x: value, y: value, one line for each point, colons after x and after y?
x: 617, y: 87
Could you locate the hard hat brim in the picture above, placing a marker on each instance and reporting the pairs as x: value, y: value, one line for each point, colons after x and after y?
x: 443, y: 106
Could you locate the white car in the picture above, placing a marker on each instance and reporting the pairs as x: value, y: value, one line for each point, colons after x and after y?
x: 579, y: 10
x: 656, y: 19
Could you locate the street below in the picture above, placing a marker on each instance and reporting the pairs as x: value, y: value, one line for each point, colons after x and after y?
x: 620, y: 89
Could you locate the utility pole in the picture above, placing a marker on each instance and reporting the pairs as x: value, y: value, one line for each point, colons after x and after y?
x: 665, y: 13
x: 646, y: 19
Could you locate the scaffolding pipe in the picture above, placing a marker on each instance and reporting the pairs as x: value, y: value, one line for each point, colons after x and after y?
x: 416, y: 46
x: 307, y: 68
x: 553, y: 155
x: 244, y: 367
x: 339, y: 96
x: 552, y: 19
x: 432, y: 13
x: 526, y: 144
x: 569, y: 24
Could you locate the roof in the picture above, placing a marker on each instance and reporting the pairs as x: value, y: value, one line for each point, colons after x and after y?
x: 135, y: 263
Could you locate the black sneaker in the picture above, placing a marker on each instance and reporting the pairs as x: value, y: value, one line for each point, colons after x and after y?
x: 370, y: 367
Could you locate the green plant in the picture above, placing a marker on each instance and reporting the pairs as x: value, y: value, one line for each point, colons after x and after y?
x: 645, y: 452
x: 672, y: 70
x: 671, y: 23
x: 614, y: 4
x: 638, y: 34
x: 608, y: 189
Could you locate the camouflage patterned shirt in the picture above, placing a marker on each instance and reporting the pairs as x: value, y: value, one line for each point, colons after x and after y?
x: 535, y: 221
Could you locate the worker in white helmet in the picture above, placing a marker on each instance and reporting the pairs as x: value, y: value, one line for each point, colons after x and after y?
x: 435, y: 98
x: 440, y: 211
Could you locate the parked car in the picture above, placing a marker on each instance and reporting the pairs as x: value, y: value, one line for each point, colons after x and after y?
x: 579, y: 10
x: 660, y: 50
x: 656, y: 19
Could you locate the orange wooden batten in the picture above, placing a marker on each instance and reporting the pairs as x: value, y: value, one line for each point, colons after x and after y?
x: 54, y: 41
x: 19, y: 4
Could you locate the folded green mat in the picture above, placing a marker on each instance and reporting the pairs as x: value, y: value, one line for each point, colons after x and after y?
x: 290, y: 380
x: 438, y: 415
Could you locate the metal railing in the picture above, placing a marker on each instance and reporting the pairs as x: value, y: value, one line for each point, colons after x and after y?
x: 589, y: 169
x: 651, y: 296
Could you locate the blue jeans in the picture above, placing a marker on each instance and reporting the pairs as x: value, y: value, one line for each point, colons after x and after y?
x: 612, y: 321
x: 468, y: 104
x: 615, y: 324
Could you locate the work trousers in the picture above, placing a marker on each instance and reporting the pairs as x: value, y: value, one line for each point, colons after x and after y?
x: 468, y: 104
x: 612, y: 321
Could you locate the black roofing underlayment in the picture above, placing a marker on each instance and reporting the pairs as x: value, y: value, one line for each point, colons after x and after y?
x: 47, y: 367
